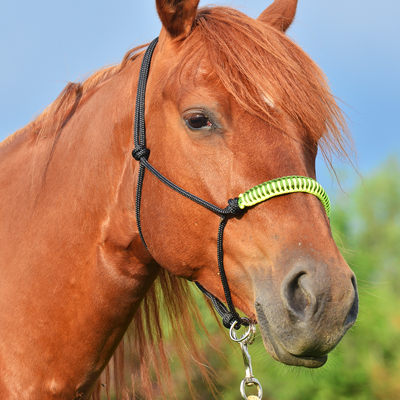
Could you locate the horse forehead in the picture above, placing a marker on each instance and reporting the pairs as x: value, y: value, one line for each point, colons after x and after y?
x: 194, y: 81
x: 202, y: 71
x: 188, y: 70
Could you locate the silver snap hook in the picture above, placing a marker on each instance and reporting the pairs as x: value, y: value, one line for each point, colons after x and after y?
x: 245, y: 340
x: 251, y: 382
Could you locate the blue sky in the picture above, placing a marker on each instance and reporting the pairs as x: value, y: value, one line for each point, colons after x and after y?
x: 44, y: 44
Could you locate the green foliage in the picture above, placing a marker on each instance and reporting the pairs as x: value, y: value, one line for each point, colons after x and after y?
x: 366, y: 364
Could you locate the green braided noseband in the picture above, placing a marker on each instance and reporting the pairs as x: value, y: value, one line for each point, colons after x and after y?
x: 285, y: 185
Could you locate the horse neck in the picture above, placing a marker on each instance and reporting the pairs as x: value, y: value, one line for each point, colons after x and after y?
x: 69, y: 241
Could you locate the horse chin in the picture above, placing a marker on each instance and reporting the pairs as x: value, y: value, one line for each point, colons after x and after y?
x: 278, y: 351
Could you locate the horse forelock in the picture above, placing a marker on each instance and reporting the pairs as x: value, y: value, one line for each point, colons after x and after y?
x: 269, y: 76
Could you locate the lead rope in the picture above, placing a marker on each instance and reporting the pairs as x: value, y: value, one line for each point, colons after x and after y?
x: 141, y: 153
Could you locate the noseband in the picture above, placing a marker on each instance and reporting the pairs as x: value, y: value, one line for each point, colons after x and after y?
x: 235, y: 207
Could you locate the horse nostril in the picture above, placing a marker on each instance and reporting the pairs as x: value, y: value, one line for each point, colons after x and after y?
x: 352, y: 315
x: 297, y: 296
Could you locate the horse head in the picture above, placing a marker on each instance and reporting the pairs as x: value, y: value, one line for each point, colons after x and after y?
x: 232, y: 102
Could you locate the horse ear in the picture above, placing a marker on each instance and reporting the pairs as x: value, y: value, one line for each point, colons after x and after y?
x: 280, y: 14
x: 177, y: 16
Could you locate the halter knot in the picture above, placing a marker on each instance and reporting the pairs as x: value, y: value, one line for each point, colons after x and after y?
x: 229, y: 318
x: 140, y: 151
x: 233, y: 207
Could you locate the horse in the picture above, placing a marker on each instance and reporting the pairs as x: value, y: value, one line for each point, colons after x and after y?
x: 231, y: 102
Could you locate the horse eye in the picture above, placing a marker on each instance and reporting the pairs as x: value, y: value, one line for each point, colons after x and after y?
x: 197, y: 121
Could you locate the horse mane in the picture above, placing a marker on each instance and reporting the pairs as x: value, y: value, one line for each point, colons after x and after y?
x: 168, y: 322
x: 259, y: 66
x: 57, y: 114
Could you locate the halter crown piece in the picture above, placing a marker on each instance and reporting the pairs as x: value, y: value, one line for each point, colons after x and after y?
x: 235, y: 207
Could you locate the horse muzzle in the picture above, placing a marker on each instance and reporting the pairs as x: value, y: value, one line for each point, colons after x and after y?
x: 305, y: 320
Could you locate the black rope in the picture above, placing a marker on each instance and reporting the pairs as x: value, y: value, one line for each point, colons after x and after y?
x: 228, y: 318
x: 232, y: 208
x: 141, y: 153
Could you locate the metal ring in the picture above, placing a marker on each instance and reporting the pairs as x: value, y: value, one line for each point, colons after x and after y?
x: 250, y: 382
x: 233, y: 335
x: 249, y: 334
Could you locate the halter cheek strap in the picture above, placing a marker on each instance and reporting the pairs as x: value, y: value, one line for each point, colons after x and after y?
x: 235, y: 207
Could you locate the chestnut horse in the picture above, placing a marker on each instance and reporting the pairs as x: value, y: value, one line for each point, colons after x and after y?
x: 231, y: 102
